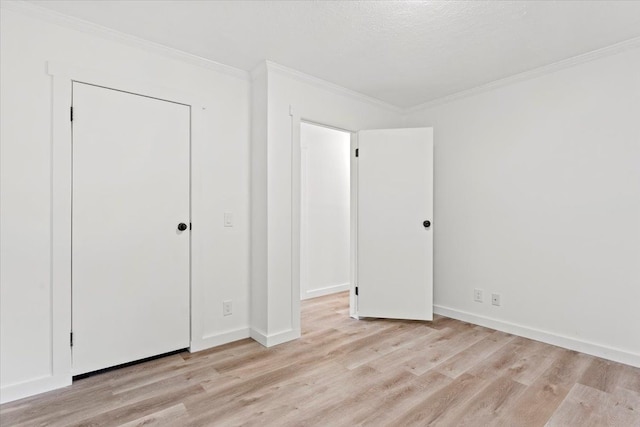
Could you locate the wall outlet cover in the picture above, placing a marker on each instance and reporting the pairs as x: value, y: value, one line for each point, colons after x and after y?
x: 227, y: 308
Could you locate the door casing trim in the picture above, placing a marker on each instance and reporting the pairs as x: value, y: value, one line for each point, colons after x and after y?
x: 296, y: 197
x: 63, y: 75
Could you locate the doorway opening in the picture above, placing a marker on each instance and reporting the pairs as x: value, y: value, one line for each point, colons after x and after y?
x: 391, y: 235
x: 325, y: 210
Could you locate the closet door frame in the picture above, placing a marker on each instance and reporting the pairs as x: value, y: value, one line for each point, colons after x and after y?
x: 63, y: 75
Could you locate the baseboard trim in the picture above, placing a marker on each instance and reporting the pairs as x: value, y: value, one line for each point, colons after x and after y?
x: 275, y: 339
x: 44, y: 384
x: 326, y: 291
x: 215, y: 340
x: 599, y: 350
x: 29, y: 388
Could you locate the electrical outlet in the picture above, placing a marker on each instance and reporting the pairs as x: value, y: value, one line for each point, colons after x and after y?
x: 495, y: 299
x: 477, y: 295
x: 227, y: 308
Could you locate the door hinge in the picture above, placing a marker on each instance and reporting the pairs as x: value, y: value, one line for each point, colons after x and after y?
x: 356, y: 290
x: 71, y: 113
x: 357, y: 152
x: 71, y: 339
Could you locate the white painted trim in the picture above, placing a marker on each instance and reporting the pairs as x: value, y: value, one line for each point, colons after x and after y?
x: 124, y: 83
x: 328, y: 290
x: 29, y: 388
x: 296, y: 212
x: 94, y: 29
x: 296, y: 196
x: 197, y: 288
x: 215, y: 340
x: 322, y: 125
x: 87, y: 27
x: 594, y: 349
x: 61, y: 188
x: 530, y: 74
x: 353, y: 226
x: 330, y: 87
x: 258, y: 336
x: 275, y: 339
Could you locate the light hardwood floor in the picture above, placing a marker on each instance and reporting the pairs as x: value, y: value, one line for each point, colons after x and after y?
x: 344, y: 372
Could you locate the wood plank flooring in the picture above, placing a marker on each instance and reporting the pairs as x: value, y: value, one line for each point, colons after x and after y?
x: 344, y: 372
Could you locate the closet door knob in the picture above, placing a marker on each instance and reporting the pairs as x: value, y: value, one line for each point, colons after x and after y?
x: 182, y: 226
x: 426, y: 224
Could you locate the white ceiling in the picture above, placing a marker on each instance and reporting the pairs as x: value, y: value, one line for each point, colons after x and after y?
x: 404, y: 53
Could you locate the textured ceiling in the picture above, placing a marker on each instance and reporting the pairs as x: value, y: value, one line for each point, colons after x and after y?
x: 404, y: 53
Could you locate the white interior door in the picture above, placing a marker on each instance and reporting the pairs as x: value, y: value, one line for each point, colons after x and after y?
x: 394, y: 244
x: 130, y: 268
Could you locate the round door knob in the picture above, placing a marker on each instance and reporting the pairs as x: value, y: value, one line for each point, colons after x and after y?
x: 427, y: 224
x: 182, y: 226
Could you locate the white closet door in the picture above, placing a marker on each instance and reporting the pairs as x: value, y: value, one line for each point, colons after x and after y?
x: 130, y: 269
x: 395, y: 244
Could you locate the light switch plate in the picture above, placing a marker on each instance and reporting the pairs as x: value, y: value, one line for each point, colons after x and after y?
x: 228, y: 219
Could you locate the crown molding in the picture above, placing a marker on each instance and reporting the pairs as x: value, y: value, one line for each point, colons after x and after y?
x: 87, y: 27
x: 531, y: 74
x: 94, y: 29
x: 331, y: 87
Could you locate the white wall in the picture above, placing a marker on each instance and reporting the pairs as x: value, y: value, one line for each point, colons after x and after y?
x: 325, y: 214
x: 537, y: 197
x: 537, y: 194
x: 220, y: 173
x: 292, y: 96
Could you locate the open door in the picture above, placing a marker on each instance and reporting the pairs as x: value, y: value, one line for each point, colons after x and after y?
x: 394, y: 230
